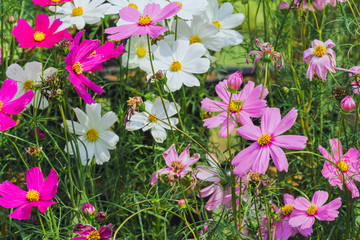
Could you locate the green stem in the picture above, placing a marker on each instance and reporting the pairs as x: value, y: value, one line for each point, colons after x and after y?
x: 268, y: 217
x: 264, y: 16
x: 188, y: 208
x: 257, y: 216
x: 42, y: 225
x: 354, y: 14
x: 17, y: 149
x: 265, y: 80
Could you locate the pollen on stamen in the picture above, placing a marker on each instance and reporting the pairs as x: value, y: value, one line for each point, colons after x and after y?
x: 264, y: 139
x: 177, y: 166
x: 175, y: 66
x: 235, y: 106
x: 144, y: 20
x: 195, y: 39
x: 92, y: 134
x: 32, y: 196
x: 141, y: 52
x: 133, y: 5
x: 77, y: 68
x: 39, y: 36
x: 311, y: 210
x: 93, y: 235
x: 217, y: 24
x: 287, y: 210
x: 77, y: 11
x: 319, y: 50
x: 28, y: 85
x: 152, y: 118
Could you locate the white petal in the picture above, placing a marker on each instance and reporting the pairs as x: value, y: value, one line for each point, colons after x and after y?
x: 159, y: 134
x: 108, y: 120
x: 82, y: 118
x: 109, y: 137
x: 101, y: 154
x: 33, y: 70
x: 94, y: 113
x: 16, y: 73
x: 138, y: 121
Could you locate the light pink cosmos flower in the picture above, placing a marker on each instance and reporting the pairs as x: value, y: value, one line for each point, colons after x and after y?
x: 305, y: 212
x: 349, y: 163
x: 88, y: 57
x: 268, y: 142
x: 88, y: 232
x: 45, y: 3
x: 333, y: 2
x: 267, y: 53
x: 243, y: 106
x: 178, y: 166
x: 143, y: 24
x: 320, y: 58
x: 44, y: 36
x: 355, y: 84
x: 39, y: 193
x: 7, y: 93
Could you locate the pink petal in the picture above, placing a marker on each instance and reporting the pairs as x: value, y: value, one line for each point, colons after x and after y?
x: 215, y: 200
x: 8, y: 90
x: 288, y: 199
x: 208, y: 174
x: 18, y: 105
x: 221, y: 91
x: 213, y: 105
x: 262, y: 159
x: 352, y: 187
x: 155, y: 176
x: 129, y: 14
x: 270, y: 120
x: 279, y: 158
x: 290, y: 141
x: 6, y: 122
x: 122, y: 32
x: 325, y: 153
x: 13, y: 196
x: 215, y: 121
x: 319, y: 198
x: 334, y: 143
x: 106, y: 231
x: 42, y: 23
x: 49, y: 188
x: 83, y: 229
x: 34, y: 179
x: 208, y: 190
x: 170, y: 155
x: 243, y: 157
x: 224, y: 130
x: 43, y: 205
x: 301, y: 203
x: 286, y: 123
x: 250, y: 132
x: 23, y: 212
x: 168, y: 11
x: 298, y: 218
x: 192, y: 160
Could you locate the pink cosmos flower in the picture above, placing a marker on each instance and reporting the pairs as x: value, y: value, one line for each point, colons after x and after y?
x: 355, y: 84
x: 143, y: 24
x: 45, y: 3
x: 333, y: 2
x: 320, y: 58
x: 305, y: 212
x: 88, y: 57
x: 39, y: 193
x: 268, y: 142
x: 44, y: 36
x: 220, y: 192
x: 267, y: 53
x: 7, y: 93
x: 243, y: 106
x: 349, y: 163
x: 177, y: 165
x: 89, y: 232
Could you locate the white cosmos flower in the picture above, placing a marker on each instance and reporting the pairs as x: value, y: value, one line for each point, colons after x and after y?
x: 145, y: 121
x: 224, y: 19
x: 93, y: 137
x: 179, y: 62
x: 80, y: 12
x: 189, y: 8
x: 25, y: 78
x: 199, y: 31
x: 138, y: 51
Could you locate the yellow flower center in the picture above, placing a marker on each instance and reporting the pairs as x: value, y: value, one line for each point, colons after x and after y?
x: 77, y: 68
x: 195, y: 39
x: 319, y: 50
x: 32, y: 196
x: 264, y: 139
x: 343, y: 166
x: 77, y: 11
x: 133, y: 5
x: 55, y: 0
x: 1, y: 105
x: 27, y: 85
x: 311, y: 210
x: 141, y: 52
x: 217, y: 23
x: 152, y: 118
x: 177, y: 166
x: 93, y: 235
x: 175, y: 66
x: 287, y: 210
x: 91, y: 134
x: 181, y: 5
x: 357, y: 79
x: 39, y: 36
x: 144, y: 20
x: 93, y: 53
x: 235, y: 106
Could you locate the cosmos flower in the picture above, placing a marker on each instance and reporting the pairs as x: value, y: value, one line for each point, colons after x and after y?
x: 7, y: 93
x: 190, y: 8
x: 94, y: 139
x: 138, y: 54
x: 45, y: 3
x: 243, y: 106
x: 88, y: 232
x: 267, y: 54
x: 142, y: 23
x: 46, y: 35
x: 178, y: 166
x: 348, y: 163
x: 179, y: 62
x: 26, y: 77
x: 320, y: 58
x: 144, y: 121
x: 80, y: 12
x: 39, y: 193
x: 268, y: 142
x: 305, y: 212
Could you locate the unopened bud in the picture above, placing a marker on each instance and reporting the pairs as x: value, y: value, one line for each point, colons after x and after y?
x: 182, y: 203
x: 100, y: 216
x: 234, y: 81
x: 284, y: 6
x: 347, y: 104
x: 11, y: 19
x: 88, y: 209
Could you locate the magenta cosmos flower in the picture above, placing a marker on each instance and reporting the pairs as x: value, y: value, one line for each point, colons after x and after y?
x: 177, y: 165
x: 7, y: 93
x: 143, y: 24
x: 320, y: 58
x: 268, y: 142
x: 305, y: 212
x: 243, y: 107
x: 267, y: 53
x: 44, y: 36
x: 88, y: 57
x: 45, y: 3
x: 88, y: 232
x: 348, y: 163
x: 39, y: 193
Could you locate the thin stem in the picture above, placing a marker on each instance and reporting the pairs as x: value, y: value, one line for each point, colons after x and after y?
x: 268, y: 217
x: 264, y: 16
x: 188, y: 208
x: 354, y: 14
x: 257, y: 217
x: 42, y: 225
x: 340, y: 123
x: 17, y: 149
x: 265, y: 80
x: 177, y: 110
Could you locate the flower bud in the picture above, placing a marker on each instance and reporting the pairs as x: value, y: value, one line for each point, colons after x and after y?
x: 347, y: 104
x: 182, y: 203
x: 11, y: 19
x: 88, y: 209
x: 41, y: 134
x: 100, y: 216
x: 234, y: 81
x: 284, y: 6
